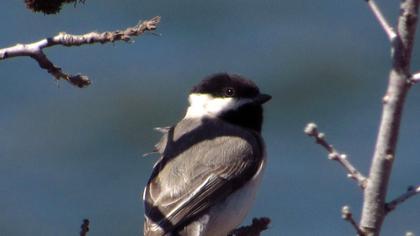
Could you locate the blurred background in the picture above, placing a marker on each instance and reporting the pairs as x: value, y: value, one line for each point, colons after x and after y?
x: 68, y: 153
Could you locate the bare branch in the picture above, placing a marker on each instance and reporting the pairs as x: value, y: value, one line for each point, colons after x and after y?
x: 390, y: 32
x: 258, y: 225
x: 35, y: 50
x: 411, y: 191
x: 348, y: 216
x: 312, y: 130
x: 84, y: 227
x: 373, y: 211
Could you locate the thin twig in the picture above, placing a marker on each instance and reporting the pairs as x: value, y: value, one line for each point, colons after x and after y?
x: 390, y: 32
x: 35, y: 50
x: 411, y: 192
x: 84, y: 227
x: 348, y: 216
x: 258, y: 225
x: 312, y: 130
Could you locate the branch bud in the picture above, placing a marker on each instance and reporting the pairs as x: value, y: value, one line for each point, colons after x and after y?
x: 311, y: 129
x: 345, y: 212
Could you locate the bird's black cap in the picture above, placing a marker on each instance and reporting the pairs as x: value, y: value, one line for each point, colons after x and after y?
x: 227, y: 85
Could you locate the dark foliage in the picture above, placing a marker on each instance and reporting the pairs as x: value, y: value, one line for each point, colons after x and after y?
x: 48, y: 6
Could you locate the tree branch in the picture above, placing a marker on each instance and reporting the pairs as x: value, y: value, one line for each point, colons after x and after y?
x: 411, y: 192
x: 348, y: 216
x: 312, y: 130
x: 373, y: 211
x: 390, y: 32
x: 35, y: 50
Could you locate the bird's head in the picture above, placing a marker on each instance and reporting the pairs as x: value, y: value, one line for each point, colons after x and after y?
x: 229, y: 97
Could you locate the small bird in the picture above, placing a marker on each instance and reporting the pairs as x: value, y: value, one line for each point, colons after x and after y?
x: 211, y: 161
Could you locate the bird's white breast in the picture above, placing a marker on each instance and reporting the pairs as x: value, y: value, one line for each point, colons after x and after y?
x: 230, y: 213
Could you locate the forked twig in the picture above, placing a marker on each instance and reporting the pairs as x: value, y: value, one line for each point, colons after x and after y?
x: 35, y: 50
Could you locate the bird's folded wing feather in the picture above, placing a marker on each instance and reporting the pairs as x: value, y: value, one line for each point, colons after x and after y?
x: 173, y: 210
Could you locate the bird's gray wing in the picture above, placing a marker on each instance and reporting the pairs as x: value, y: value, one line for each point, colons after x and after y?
x: 212, y: 176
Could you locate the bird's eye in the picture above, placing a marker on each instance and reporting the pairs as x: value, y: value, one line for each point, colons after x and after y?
x: 229, y: 92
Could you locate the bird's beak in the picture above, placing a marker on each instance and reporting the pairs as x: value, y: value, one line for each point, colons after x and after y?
x: 262, y: 98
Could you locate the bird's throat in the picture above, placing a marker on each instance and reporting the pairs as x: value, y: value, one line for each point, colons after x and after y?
x: 248, y: 116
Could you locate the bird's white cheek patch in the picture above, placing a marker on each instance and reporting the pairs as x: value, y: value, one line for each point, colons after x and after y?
x: 204, y: 105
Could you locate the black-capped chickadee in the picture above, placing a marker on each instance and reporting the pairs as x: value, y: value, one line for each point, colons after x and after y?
x: 211, y: 161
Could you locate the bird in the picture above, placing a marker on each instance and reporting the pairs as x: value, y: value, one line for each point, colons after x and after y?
x: 211, y: 162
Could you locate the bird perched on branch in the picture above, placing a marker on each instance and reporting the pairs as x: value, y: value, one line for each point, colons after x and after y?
x: 211, y: 161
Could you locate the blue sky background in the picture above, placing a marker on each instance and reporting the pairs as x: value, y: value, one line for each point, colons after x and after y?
x: 68, y: 153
